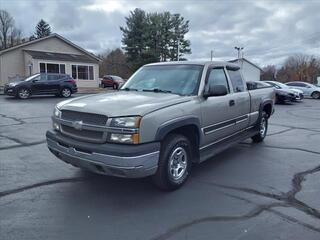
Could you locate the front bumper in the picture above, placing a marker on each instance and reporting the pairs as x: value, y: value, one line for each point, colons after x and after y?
x: 11, y: 91
x: 128, y: 161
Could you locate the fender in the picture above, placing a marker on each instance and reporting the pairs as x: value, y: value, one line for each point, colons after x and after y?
x: 264, y: 103
x: 170, y: 125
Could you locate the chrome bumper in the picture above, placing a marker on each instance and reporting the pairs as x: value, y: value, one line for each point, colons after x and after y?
x: 129, y: 166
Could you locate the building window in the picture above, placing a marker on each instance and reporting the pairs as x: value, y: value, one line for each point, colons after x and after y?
x: 52, y: 68
x: 62, y: 68
x: 82, y: 72
x: 42, y: 67
x: 74, y: 72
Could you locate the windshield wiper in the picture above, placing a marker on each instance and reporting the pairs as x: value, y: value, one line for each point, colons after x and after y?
x: 157, y: 90
x: 129, y: 89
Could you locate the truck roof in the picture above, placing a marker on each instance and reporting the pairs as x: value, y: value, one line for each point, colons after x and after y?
x: 215, y: 63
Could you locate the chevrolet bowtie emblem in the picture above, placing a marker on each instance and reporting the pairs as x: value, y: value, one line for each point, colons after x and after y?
x: 77, y: 125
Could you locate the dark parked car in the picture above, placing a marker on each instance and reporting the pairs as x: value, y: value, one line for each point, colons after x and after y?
x: 283, y: 92
x: 112, y: 81
x: 61, y: 85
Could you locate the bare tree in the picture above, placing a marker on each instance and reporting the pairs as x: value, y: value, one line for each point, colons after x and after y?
x: 269, y: 73
x: 15, y: 37
x: 299, y: 67
x: 114, y: 63
x: 6, y: 23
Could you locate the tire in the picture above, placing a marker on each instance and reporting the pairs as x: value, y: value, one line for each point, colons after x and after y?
x: 315, y: 95
x: 174, y: 164
x: 65, y: 92
x: 102, y: 85
x: 115, y: 86
x: 263, y: 128
x: 23, y: 93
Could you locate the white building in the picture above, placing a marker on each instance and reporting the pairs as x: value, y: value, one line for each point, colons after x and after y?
x: 250, y: 71
x: 52, y: 54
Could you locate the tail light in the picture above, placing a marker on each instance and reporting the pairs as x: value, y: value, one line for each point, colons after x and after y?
x: 72, y: 81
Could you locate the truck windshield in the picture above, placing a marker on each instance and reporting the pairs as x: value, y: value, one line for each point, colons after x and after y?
x: 182, y: 79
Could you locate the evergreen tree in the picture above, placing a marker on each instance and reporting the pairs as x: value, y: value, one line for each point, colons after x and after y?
x: 180, y: 29
x: 154, y: 37
x: 42, y: 29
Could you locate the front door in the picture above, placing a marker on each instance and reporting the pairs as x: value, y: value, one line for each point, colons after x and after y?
x: 39, y: 84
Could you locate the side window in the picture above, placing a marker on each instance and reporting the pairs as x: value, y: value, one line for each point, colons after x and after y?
x: 53, y: 77
x: 217, y: 76
x: 43, y: 77
x: 236, y: 80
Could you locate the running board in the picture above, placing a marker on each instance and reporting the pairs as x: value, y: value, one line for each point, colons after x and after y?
x: 210, y: 150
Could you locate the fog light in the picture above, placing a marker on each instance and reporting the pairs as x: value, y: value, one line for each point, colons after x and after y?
x: 56, y: 126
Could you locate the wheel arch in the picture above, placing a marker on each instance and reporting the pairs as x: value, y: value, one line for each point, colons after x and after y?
x: 188, y: 127
x: 266, y: 106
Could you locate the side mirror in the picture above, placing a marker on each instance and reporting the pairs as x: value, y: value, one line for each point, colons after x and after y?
x: 216, y: 90
x: 35, y: 80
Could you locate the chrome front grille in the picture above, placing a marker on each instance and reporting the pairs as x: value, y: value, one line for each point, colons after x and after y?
x: 95, y: 133
x: 88, y: 118
x: 84, y: 134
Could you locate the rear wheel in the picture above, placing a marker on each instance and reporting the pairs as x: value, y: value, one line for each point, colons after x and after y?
x: 65, y: 92
x: 315, y: 95
x: 102, y: 85
x: 23, y: 93
x: 115, y: 86
x: 174, y: 164
x: 263, y: 128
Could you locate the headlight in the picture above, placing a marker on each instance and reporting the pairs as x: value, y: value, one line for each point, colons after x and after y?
x: 124, y: 138
x: 57, y: 112
x: 126, y: 122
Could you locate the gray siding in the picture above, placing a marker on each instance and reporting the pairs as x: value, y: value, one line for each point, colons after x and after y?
x: 15, y: 62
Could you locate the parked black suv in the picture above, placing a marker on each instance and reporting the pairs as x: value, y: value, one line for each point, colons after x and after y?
x: 61, y: 85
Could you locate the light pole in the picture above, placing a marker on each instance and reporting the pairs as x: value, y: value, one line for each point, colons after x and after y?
x: 178, y: 49
x: 239, y: 49
x: 211, y: 53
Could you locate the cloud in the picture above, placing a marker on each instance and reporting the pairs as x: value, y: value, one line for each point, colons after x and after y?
x: 269, y: 31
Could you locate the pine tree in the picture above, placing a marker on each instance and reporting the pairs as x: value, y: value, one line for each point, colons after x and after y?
x: 179, y: 30
x: 153, y: 37
x: 42, y: 29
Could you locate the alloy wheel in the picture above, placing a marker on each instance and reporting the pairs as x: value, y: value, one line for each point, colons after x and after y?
x: 178, y: 163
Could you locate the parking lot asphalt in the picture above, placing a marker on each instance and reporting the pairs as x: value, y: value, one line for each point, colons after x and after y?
x: 250, y: 191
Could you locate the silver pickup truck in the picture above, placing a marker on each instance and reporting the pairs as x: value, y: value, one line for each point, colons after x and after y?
x: 165, y: 118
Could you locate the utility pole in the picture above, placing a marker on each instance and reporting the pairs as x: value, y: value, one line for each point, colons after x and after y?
x: 211, y: 55
x: 178, y: 49
x: 239, y: 49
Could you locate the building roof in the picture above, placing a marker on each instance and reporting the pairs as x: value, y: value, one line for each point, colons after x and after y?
x: 60, y: 56
x: 244, y: 59
x: 54, y: 35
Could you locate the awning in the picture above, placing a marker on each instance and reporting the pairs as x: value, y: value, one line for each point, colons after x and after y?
x: 60, y: 56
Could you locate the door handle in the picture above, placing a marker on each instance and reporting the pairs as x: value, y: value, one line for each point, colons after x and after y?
x: 232, y: 103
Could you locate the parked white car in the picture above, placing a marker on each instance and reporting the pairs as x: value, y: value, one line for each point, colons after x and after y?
x: 283, y: 90
x: 308, y: 89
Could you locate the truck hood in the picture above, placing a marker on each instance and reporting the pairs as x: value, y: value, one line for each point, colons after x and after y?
x: 123, y: 103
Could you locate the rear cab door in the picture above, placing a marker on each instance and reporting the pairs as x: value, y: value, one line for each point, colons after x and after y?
x: 241, y: 97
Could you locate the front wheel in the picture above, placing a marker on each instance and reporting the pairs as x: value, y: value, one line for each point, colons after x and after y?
x: 23, y: 93
x: 115, y: 86
x: 263, y: 128
x: 174, y: 164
